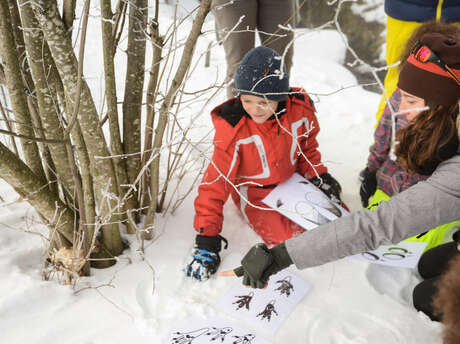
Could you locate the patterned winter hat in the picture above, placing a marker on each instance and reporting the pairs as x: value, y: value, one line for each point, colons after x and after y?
x: 262, y: 73
x: 424, y: 73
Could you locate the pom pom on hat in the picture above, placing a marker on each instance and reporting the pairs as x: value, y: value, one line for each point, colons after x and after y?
x: 262, y: 73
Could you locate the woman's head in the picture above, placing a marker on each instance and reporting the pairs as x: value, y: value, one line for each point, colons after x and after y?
x: 262, y: 73
x: 430, y: 86
x: 432, y: 70
x: 410, y: 100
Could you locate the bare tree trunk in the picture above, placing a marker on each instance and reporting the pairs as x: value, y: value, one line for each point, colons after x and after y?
x: 68, y: 13
x: 112, y: 111
x: 47, y: 104
x: 157, y: 46
x: 27, y: 184
x: 16, y: 24
x: 8, y: 126
x: 82, y: 152
x: 2, y: 75
x: 119, y: 23
x: 87, y: 180
x: 48, y: 165
x: 20, y: 45
x: 102, y: 169
x: 166, y: 105
x: 132, y: 103
x: 16, y: 92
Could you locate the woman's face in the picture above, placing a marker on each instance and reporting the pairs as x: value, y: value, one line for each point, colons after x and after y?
x: 258, y: 108
x: 409, y: 102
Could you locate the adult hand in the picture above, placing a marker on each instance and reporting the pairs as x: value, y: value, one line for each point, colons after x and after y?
x: 260, y: 263
x: 368, y: 186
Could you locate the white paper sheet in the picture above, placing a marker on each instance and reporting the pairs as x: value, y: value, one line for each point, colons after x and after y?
x: 266, y: 309
x: 195, y: 330
x: 406, y: 254
x: 303, y: 203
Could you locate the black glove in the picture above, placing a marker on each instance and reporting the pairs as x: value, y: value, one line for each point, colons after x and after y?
x: 205, y: 258
x: 329, y: 185
x: 368, y: 186
x: 456, y: 237
x: 261, y: 262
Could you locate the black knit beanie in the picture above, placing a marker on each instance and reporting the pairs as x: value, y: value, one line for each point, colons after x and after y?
x: 262, y: 73
x: 428, y: 80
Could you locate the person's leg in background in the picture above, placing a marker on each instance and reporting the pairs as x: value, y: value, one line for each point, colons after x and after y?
x: 271, y: 14
x: 398, y: 32
x: 238, y: 43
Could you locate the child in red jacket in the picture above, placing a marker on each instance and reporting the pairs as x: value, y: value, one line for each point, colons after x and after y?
x: 262, y: 137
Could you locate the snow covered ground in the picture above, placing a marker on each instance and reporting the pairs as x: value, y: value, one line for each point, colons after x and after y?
x: 141, y: 298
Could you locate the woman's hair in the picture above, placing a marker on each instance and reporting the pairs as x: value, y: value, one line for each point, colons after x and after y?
x: 428, y: 140
x: 447, y: 302
x: 431, y: 26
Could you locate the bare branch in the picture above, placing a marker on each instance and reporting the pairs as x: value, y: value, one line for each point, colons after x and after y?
x: 170, y: 97
x: 81, y: 55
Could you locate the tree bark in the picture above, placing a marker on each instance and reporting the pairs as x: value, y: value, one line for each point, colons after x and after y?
x: 134, y: 83
x: 68, y: 13
x: 16, y: 92
x: 157, y: 46
x: 82, y: 152
x: 48, y: 165
x: 28, y: 185
x: 47, y: 105
x: 20, y: 45
x: 112, y: 112
x: 8, y: 126
x: 102, y: 169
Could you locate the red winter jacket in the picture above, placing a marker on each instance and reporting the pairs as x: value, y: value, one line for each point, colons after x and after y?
x: 255, y: 155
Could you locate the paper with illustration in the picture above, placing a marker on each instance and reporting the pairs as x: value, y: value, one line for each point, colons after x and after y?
x: 406, y: 254
x: 195, y: 330
x: 268, y: 308
x: 302, y: 202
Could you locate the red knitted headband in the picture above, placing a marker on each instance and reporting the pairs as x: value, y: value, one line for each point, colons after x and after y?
x: 431, y: 67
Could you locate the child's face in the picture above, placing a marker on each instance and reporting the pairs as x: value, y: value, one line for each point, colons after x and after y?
x: 258, y: 108
x: 408, y: 102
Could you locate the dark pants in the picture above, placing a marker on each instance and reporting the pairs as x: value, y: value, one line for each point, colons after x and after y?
x: 431, y: 266
x: 244, y: 17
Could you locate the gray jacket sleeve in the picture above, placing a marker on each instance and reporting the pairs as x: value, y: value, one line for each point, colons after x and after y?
x: 424, y: 206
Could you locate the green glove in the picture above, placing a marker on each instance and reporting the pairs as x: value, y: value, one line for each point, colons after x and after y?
x: 261, y: 262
